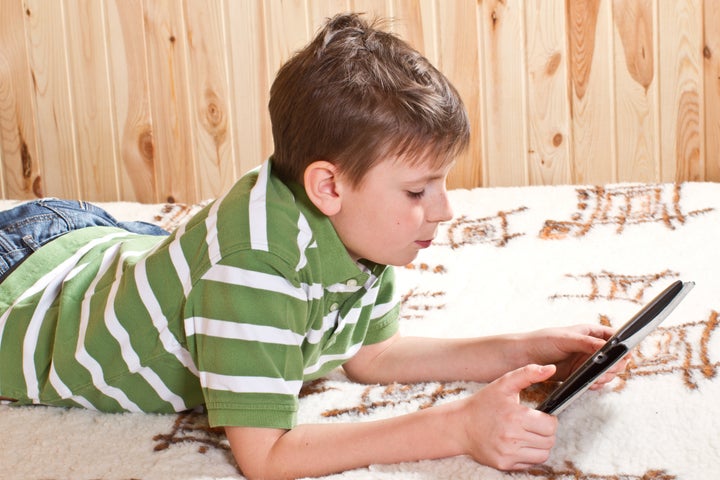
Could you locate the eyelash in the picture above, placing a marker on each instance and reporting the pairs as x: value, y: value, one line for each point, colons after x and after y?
x: 416, y: 195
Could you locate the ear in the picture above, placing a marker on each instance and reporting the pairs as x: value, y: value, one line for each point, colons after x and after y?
x: 322, y: 187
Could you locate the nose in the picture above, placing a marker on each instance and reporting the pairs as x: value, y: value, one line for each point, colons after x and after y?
x: 440, y: 210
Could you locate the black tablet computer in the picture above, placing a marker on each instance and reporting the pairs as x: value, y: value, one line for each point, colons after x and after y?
x: 629, y: 335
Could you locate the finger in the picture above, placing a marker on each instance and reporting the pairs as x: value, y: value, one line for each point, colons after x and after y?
x: 528, y: 457
x: 598, y: 331
x: 517, y: 380
x: 540, y: 425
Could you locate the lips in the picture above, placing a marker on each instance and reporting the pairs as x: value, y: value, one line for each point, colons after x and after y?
x: 424, y: 243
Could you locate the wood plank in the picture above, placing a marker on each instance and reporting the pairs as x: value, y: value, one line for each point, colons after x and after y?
x: 55, y: 121
x: 681, y: 117
x: 637, y: 90
x: 131, y: 100
x: 590, y: 40
x: 20, y: 173
x: 711, y: 69
x: 95, y: 128
x: 250, y: 90
x: 548, y: 115
x: 208, y: 87
x: 287, y: 30
x: 174, y: 138
x: 505, y: 93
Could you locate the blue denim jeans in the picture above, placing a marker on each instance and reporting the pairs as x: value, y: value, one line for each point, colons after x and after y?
x: 27, y: 227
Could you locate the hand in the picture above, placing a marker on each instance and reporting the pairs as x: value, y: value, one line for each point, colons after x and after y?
x: 567, y: 348
x: 501, y: 432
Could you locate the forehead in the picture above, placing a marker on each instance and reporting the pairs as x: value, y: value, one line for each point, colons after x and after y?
x: 412, y: 170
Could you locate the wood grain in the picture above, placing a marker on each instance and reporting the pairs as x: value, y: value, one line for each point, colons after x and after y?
x: 55, y: 122
x: 19, y: 175
x: 92, y: 109
x: 505, y: 90
x: 173, y: 135
x: 548, y: 112
x: 131, y: 99
x: 590, y: 45
x: 680, y: 53
x: 636, y: 91
x: 166, y: 100
x: 711, y: 90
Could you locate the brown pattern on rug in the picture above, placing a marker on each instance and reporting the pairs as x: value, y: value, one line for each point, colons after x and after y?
x: 492, y: 230
x: 375, y: 397
x: 681, y: 350
x: 614, y: 286
x: 571, y: 472
x: 621, y: 206
x: 172, y: 215
x: 193, y: 427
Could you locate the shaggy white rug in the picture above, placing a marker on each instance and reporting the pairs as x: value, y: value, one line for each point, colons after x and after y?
x: 512, y: 259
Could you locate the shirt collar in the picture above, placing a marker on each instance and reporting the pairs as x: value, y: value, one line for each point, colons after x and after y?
x: 339, y: 266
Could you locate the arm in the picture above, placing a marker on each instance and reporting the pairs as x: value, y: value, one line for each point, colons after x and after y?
x: 415, y: 359
x: 490, y: 425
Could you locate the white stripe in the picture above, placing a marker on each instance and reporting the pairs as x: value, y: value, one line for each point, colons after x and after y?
x: 65, y: 392
x: 381, y: 309
x: 131, y: 358
x: 83, y: 356
x: 303, y: 241
x: 241, y: 331
x: 54, y: 277
x: 211, y: 234
x: 349, y: 353
x: 262, y: 281
x: 315, y: 335
x: 51, y: 282
x: 257, y: 214
x: 168, y: 340
x: 182, y: 269
x: 240, y: 384
x: 30, y: 341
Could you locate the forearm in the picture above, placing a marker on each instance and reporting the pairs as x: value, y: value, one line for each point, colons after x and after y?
x: 416, y: 359
x: 321, y: 449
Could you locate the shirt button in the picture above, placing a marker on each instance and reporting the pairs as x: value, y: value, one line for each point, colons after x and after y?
x: 334, y: 307
x: 352, y: 283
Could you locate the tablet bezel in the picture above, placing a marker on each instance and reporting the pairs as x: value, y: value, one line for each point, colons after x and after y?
x: 627, y: 337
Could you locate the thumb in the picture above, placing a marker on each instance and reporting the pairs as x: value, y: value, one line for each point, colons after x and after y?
x: 517, y: 380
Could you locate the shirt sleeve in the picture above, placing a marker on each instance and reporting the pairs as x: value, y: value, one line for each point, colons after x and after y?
x: 385, y: 315
x: 240, y: 331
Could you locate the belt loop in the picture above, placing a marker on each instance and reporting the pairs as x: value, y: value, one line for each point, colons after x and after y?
x: 30, y: 242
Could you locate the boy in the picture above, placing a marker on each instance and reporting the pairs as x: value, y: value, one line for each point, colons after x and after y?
x: 281, y: 280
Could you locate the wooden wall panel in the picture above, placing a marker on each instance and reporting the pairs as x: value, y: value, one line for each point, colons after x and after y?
x: 90, y: 99
x: 209, y: 88
x: 174, y: 142
x: 504, y: 67
x: 681, y: 79
x: 711, y: 88
x: 58, y: 158
x: 128, y: 71
x: 166, y: 100
x: 458, y: 58
x: 636, y: 92
x: 250, y: 83
x: 548, y: 108
x: 592, y: 93
x: 19, y: 175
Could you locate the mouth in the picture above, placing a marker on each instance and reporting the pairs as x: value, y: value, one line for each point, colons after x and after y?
x: 423, y: 243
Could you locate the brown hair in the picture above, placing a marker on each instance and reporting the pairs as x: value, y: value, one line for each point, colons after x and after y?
x: 356, y: 95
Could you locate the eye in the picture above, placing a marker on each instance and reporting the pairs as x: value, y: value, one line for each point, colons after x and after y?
x: 416, y: 195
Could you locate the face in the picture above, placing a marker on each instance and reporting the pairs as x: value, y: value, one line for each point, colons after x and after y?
x: 394, y: 213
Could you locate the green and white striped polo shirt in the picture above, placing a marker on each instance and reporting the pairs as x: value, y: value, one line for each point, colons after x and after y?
x: 253, y: 296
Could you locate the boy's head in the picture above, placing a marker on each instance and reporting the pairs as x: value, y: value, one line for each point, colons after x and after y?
x: 356, y: 95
